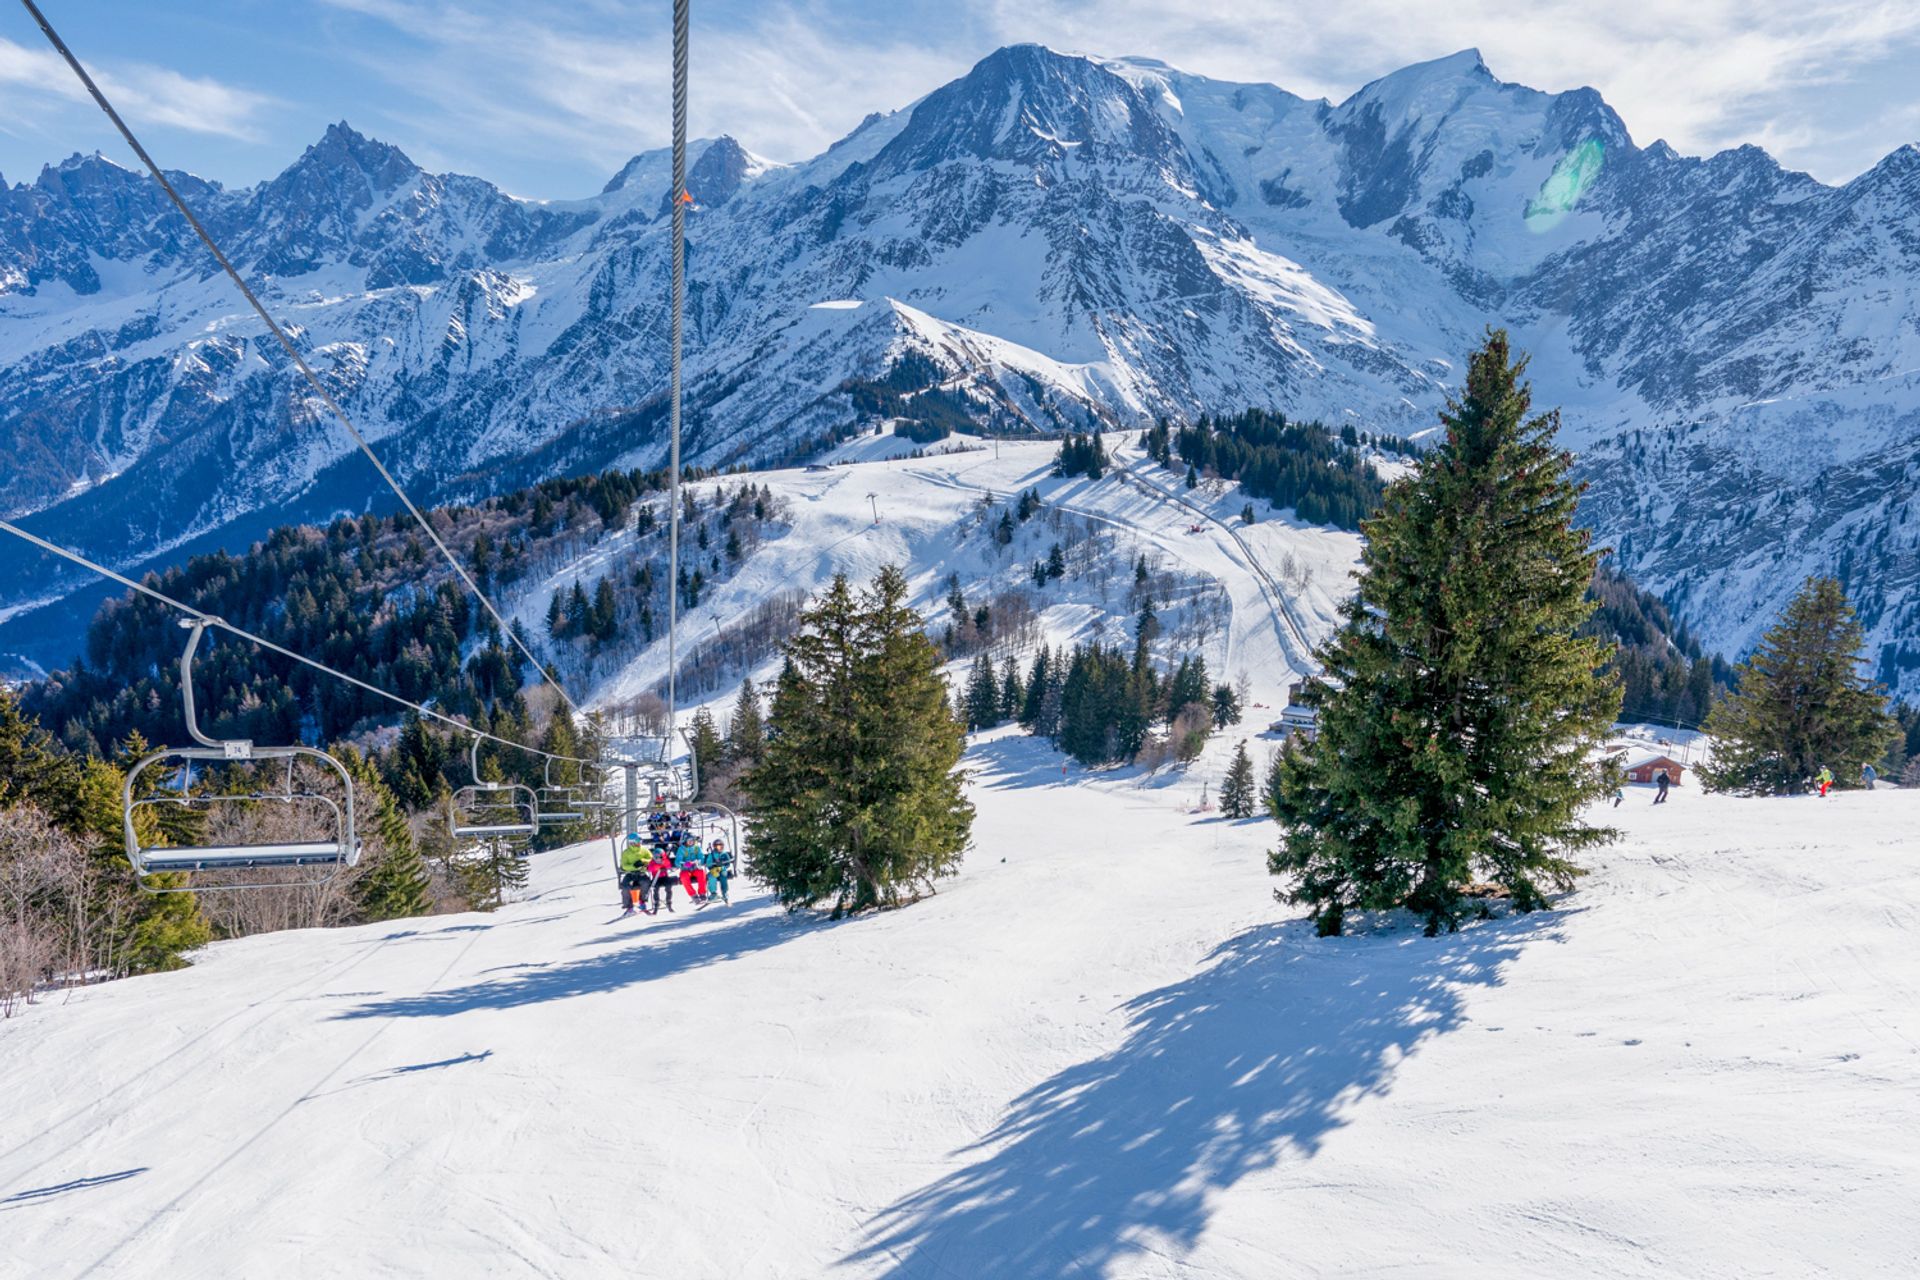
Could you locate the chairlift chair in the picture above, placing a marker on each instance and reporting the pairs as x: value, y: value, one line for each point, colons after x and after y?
x: 500, y: 810
x: 337, y: 844
x: 558, y: 802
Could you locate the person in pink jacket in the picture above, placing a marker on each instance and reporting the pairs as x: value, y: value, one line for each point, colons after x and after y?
x: 660, y: 876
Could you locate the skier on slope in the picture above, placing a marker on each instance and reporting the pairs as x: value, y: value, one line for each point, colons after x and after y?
x: 1868, y: 775
x: 633, y: 873
x: 1825, y: 779
x: 1661, y: 782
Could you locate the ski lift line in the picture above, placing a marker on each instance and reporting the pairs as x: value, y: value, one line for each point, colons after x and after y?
x: 678, y: 307
x: 286, y: 342
x: 214, y: 621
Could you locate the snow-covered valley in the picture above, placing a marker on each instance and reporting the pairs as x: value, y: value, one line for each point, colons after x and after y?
x: 1103, y: 1050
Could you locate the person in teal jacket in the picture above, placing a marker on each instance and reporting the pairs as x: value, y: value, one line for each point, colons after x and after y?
x: 693, y: 864
x: 720, y: 867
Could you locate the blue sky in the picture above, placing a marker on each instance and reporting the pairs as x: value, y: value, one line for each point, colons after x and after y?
x: 548, y: 99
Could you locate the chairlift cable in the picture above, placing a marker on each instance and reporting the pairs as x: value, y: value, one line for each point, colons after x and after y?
x: 300, y: 362
x: 214, y: 620
x: 679, y: 298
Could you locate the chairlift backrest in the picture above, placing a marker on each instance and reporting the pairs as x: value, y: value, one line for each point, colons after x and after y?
x: 500, y: 810
x: 336, y: 843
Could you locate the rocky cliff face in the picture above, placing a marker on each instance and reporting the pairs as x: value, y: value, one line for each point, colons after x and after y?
x: 1070, y: 240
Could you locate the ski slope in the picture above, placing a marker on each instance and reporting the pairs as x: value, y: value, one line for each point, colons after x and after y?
x: 927, y: 509
x: 1103, y: 1050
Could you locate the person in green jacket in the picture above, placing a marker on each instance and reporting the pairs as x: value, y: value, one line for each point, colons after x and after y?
x: 1825, y: 779
x: 633, y: 872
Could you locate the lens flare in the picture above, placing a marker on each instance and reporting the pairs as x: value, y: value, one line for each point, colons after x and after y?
x: 1564, y: 187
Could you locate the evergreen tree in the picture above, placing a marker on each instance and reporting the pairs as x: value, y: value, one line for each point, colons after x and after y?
x: 983, y: 696
x: 606, y: 614
x: 417, y: 766
x: 1013, y: 694
x: 1800, y: 704
x: 1056, y: 563
x: 1226, y: 705
x: 1270, y: 787
x: 858, y: 801
x: 395, y: 885
x: 709, y: 752
x: 746, y: 731
x: 1458, y: 734
x: 149, y: 932
x: 1036, y: 691
x: 1236, y: 793
x: 1188, y: 688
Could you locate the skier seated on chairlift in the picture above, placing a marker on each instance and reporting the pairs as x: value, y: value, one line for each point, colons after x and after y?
x: 659, y: 822
x: 633, y: 873
x: 720, y: 867
x: 693, y: 865
x: 660, y: 876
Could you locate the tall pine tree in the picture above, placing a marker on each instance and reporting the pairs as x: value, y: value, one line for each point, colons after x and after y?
x: 1236, y: 793
x: 393, y: 883
x: 983, y: 695
x: 746, y: 730
x: 1458, y: 736
x: 709, y: 752
x: 857, y: 801
x: 1800, y: 704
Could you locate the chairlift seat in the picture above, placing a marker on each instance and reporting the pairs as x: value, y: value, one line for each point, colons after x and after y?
x: 309, y: 853
x: 343, y: 850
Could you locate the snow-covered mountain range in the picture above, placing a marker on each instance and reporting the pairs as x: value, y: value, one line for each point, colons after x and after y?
x: 1068, y: 240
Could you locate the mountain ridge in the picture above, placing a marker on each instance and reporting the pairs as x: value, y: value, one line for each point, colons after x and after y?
x: 1074, y: 240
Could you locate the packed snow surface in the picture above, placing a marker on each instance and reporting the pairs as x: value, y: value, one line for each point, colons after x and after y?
x: 1103, y: 1050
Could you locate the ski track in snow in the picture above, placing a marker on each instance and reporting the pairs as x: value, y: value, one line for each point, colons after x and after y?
x: 1110, y: 1054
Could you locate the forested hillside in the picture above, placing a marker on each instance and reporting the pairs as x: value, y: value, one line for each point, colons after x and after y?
x: 1322, y: 475
x: 367, y: 597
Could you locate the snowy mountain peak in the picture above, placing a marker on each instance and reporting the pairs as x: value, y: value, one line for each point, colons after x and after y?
x: 720, y: 170
x: 1029, y: 104
x: 1425, y: 90
x: 345, y: 157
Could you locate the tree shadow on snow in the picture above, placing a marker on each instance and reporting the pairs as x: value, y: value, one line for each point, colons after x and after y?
x: 1255, y: 1059
x: 652, y: 953
x: 1016, y: 761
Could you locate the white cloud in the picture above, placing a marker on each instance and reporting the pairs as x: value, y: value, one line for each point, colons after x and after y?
x: 599, y: 87
x: 1703, y: 74
x: 590, y: 80
x: 35, y: 82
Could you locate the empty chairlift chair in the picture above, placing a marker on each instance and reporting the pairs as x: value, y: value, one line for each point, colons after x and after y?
x: 558, y: 802
x: 332, y: 844
x: 596, y: 802
x: 494, y: 810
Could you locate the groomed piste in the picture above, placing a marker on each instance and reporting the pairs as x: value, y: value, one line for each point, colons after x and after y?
x: 1110, y: 1054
